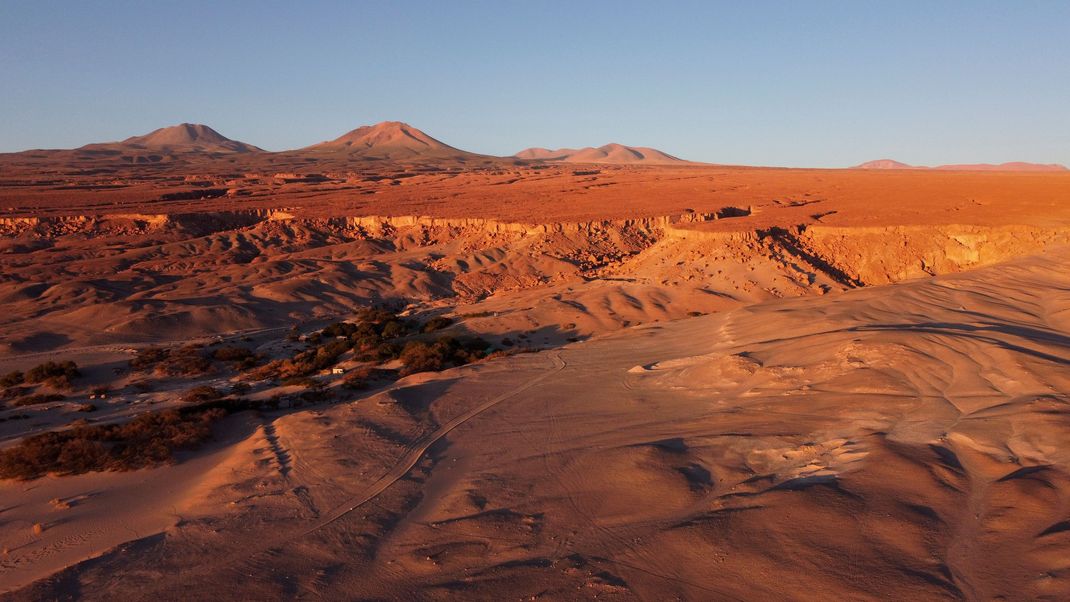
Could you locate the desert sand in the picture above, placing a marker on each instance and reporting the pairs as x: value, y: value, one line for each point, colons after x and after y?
x: 708, y: 382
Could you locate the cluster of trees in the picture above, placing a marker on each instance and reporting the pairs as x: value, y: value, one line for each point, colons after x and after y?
x: 377, y: 336
x: 147, y: 440
x: 193, y: 360
x: 183, y: 361
x: 56, y: 374
x: 446, y: 352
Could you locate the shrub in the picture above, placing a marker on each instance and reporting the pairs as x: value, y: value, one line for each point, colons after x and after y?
x: 11, y: 379
x: 147, y: 440
x: 437, y: 323
x: 315, y: 395
x: 202, y: 393
x: 357, y: 378
x: 419, y: 356
x: 13, y: 392
x: 149, y: 356
x: 478, y: 314
x: 269, y: 370
x: 393, y: 329
x: 142, y: 386
x: 302, y: 381
x: 184, y: 361
x: 231, y: 353
x: 380, y: 351
x: 511, y: 351
x: 240, y: 358
x: 37, y: 398
x: 57, y: 374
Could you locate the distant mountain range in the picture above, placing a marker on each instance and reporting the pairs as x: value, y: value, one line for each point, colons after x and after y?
x: 1012, y: 166
x: 394, y: 141
x: 610, y: 153
x: 386, y: 141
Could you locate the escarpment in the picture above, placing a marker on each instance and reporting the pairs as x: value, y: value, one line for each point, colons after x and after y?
x: 158, y: 275
x: 853, y: 256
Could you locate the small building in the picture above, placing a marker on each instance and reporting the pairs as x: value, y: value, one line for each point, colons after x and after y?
x: 338, y: 370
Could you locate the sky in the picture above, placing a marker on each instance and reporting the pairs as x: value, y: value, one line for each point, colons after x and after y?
x: 808, y: 84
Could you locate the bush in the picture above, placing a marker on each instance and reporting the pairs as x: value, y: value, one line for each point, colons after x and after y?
x: 303, y: 381
x: 149, y: 356
x: 478, y: 314
x: 38, y: 398
x: 357, y: 378
x: 418, y: 356
x: 11, y: 379
x: 57, y: 374
x: 379, y: 351
x: 240, y: 358
x: 147, y: 440
x: 184, y: 361
x: 201, y: 394
x: 232, y: 353
x: 315, y: 395
x: 511, y: 352
x: 437, y: 323
x: 142, y: 386
x: 13, y: 392
x: 393, y: 329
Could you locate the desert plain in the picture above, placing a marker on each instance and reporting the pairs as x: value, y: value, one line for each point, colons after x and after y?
x: 381, y: 367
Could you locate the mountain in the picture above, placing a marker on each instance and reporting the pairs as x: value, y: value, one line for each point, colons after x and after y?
x: 884, y: 164
x: 610, y: 153
x: 392, y: 140
x: 182, y: 138
x: 544, y: 154
x: 1012, y: 166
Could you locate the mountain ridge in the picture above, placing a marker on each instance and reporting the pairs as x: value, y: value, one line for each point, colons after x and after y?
x: 1008, y: 166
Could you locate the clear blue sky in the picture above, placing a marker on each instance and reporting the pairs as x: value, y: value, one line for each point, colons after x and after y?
x: 764, y: 83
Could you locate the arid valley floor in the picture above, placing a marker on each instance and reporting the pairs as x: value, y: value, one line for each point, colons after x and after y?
x: 603, y: 373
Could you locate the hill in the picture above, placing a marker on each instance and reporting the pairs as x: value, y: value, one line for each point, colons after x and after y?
x: 392, y: 140
x: 611, y: 153
x: 183, y: 138
x: 1011, y: 166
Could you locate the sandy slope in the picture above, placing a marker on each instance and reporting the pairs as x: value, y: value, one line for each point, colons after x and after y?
x: 894, y: 442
